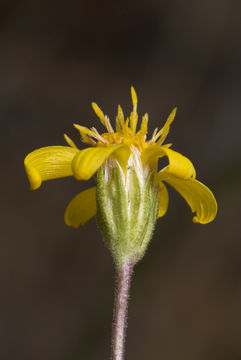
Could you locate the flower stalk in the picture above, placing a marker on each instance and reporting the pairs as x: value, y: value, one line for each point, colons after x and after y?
x: 121, y: 309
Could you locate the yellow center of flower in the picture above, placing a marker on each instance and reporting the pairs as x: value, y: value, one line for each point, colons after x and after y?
x: 125, y: 132
x: 118, y: 138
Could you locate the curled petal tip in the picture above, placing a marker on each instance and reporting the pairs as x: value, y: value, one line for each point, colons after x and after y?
x: 48, y: 163
x: 69, y: 223
x: 34, y: 178
x: 195, y: 220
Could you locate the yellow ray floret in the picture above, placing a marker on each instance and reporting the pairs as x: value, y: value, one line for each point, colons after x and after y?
x: 200, y: 199
x: 81, y: 208
x: 47, y: 163
x: 163, y: 198
x: 88, y: 161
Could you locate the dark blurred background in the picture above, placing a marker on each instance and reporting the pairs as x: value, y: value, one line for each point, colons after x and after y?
x: 57, y: 283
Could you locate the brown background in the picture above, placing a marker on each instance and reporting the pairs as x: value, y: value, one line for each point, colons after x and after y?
x: 56, y: 292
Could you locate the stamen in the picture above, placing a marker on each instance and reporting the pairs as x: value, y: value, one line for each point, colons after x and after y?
x: 103, y: 118
x: 153, y: 137
x: 143, y: 129
x: 126, y: 128
x: 117, y: 124
x: 133, y: 96
x: 85, y: 133
x: 108, y: 124
x: 98, y: 112
x: 98, y: 136
x: 121, y: 117
x: 165, y: 130
x: 86, y: 139
x: 134, y: 115
x: 83, y: 129
x: 69, y: 141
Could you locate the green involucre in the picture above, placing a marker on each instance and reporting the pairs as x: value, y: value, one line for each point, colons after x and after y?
x: 126, y: 213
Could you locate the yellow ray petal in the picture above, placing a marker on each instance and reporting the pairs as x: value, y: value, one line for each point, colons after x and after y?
x: 179, y: 165
x: 88, y: 161
x: 81, y: 208
x: 122, y: 155
x: 163, y: 199
x: 200, y: 199
x: 49, y: 163
x: 151, y: 153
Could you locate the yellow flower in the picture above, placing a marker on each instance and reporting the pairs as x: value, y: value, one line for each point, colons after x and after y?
x: 126, y: 148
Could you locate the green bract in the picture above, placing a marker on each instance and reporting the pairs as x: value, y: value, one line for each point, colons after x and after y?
x: 126, y: 212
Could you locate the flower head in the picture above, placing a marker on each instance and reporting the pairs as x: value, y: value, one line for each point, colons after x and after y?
x: 123, y: 148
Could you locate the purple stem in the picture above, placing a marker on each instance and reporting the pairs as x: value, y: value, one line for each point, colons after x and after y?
x: 120, y: 310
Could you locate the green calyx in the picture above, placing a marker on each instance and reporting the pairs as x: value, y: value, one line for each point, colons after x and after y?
x: 126, y: 212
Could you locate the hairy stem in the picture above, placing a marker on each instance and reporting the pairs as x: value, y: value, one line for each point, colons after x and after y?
x: 120, y: 310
